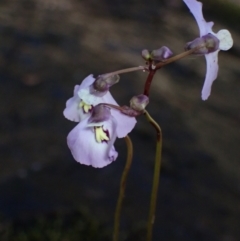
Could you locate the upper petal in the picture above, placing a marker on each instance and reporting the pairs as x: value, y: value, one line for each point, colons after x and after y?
x: 87, y: 81
x: 211, y: 74
x: 72, y: 112
x: 196, y: 9
x: 75, y: 90
x: 84, y: 148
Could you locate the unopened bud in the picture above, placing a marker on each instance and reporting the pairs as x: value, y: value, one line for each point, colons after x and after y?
x: 146, y: 54
x: 102, y: 84
x: 161, y: 53
x: 207, y: 44
x: 100, y: 113
x: 139, y: 102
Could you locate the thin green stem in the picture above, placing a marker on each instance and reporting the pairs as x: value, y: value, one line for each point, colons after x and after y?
x: 156, y: 176
x: 153, y: 68
x: 177, y: 57
x: 122, y: 188
x: 123, y: 71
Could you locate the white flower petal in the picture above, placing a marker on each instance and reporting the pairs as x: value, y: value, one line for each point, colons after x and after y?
x: 87, y: 97
x: 225, y: 38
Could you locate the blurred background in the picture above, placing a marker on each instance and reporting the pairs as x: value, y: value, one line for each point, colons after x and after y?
x: 47, y: 47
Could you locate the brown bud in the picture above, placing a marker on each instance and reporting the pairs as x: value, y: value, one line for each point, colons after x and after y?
x: 139, y: 102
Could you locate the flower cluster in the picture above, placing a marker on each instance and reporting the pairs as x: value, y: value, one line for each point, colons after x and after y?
x: 91, y: 141
x: 93, y: 107
x: 101, y: 120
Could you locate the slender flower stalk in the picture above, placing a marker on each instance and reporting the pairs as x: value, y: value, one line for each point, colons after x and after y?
x: 156, y: 176
x: 176, y: 57
x: 128, y: 70
x: 153, y: 68
x: 122, y: 188
x: 214, y: 42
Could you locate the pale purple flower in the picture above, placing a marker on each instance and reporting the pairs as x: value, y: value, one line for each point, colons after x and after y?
x: 91, y: 141
x: 79, y: 107
x: 225, y: 43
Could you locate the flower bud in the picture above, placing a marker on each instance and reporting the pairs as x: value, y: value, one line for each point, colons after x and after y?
x: 146, y: 54
x: 102, y: 84
x: 100, y: 113
x: 139, y: 102
x: 207, y: 43
x: 161, y: 54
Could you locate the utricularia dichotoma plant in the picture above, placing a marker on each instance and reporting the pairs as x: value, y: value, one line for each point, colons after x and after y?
x: 100, y: 120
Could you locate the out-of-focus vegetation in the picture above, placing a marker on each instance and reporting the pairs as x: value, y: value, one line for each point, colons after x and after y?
x: 77, y: 226
x: 229, y: 9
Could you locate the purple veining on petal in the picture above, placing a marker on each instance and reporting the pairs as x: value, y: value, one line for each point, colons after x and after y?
x: 211, y: 74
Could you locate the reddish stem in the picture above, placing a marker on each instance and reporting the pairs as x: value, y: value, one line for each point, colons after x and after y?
x: 149, y: 81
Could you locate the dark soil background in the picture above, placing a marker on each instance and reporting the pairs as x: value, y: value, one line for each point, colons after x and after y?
x: 48, y: 46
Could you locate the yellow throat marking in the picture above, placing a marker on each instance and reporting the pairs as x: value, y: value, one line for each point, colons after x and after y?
x: 100, y: 135
x: 86, y: 108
